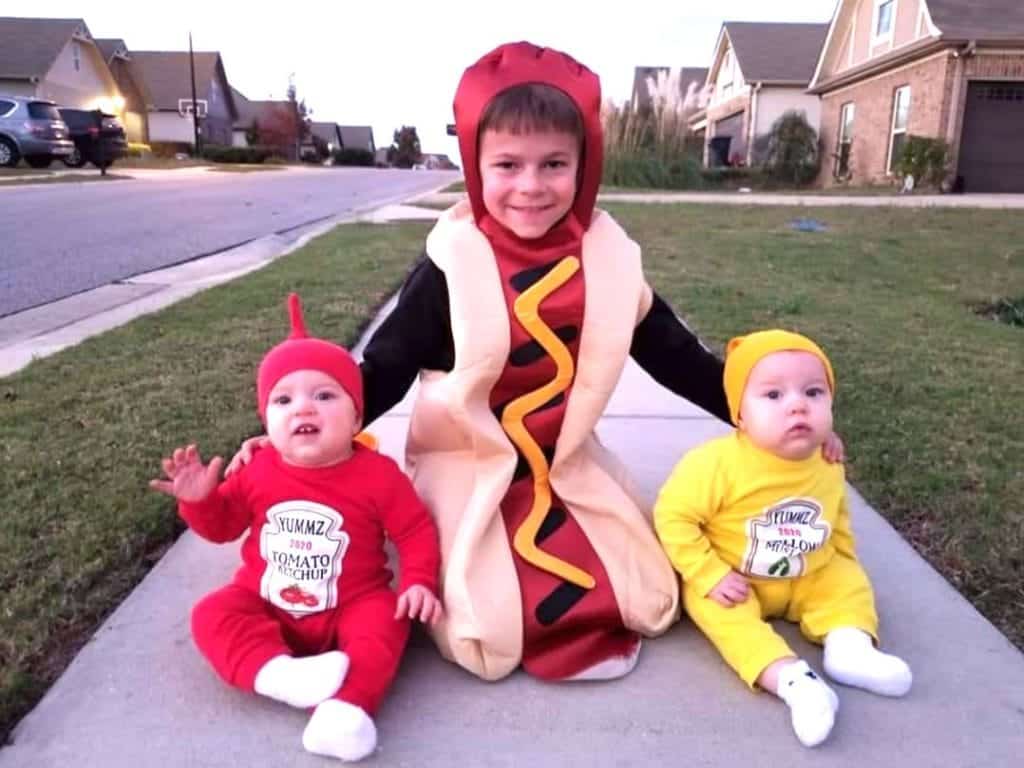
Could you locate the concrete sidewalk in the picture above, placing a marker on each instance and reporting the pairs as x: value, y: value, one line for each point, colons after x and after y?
x: 139, y: 693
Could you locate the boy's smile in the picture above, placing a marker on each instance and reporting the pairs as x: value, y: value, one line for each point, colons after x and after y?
x: 528, y: 179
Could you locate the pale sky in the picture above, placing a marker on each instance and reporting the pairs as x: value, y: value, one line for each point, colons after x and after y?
x: 396, y: 62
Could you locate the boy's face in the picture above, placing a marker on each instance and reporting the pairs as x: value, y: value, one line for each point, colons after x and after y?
x: 529, y: 179
x: 787, y: 405
x: 311, y: 420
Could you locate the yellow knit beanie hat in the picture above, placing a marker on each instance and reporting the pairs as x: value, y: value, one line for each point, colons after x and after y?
x: 743, y: 353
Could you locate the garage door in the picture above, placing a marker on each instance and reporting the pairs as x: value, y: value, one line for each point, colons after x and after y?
x: 992, y: 148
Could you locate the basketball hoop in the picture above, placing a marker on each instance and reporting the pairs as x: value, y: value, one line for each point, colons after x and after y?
x: 185, y: 107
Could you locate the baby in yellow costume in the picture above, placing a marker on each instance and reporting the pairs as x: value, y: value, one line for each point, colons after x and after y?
x: 757, y: 523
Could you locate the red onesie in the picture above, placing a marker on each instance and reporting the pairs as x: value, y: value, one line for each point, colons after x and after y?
x: 314, y: 576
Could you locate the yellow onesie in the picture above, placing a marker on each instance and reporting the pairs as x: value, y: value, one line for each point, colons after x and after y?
x: 785, y: 526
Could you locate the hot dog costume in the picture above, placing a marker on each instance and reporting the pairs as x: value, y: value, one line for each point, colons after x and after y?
x: 548, y: 558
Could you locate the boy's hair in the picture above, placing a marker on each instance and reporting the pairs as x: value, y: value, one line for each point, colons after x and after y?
x: 531, y: 107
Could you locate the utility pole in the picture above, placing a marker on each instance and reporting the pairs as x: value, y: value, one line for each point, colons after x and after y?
x: 195, y: 116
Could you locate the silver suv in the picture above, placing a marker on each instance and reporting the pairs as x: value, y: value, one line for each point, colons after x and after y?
x: 32, y: 128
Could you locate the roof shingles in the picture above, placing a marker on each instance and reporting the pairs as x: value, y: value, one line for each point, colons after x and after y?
x: 979, y: 19
x: 776, y: 52
x: 29, y: 47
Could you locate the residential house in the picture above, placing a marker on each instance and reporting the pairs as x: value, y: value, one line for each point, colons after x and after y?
x: 758, y: 72
x: 435, y: 161
x: 357, y: 137
x: 328, y: 133
x: 165, y: 79
x: 274, y: 122
x: 692, y: 80
x: 118, y: 60
x: 56, y: 59
x: 945, y: 69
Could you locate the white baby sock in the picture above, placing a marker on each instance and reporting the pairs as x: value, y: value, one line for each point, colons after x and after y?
x: 339, y: 729
x: 812, y: 704
x: 302, y: 682
x: 852, y: 659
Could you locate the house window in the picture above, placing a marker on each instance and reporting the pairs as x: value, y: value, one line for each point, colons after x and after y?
x: 76, y: 55
x: 885, y: 17
x: 842, y: 169
x: 900, y: 118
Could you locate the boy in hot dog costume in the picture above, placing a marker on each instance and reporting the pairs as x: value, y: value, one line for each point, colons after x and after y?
x: 518, y: 323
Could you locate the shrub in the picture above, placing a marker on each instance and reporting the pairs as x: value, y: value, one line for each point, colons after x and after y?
x: 353, y: 156
x: 793, y: 154
x: 248, y: 155
x: 924, y: 158
x: 652, y: 147
x: 170, y: 148
x: 726, y: 177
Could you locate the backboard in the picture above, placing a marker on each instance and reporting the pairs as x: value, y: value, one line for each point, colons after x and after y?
x: 185, y: 107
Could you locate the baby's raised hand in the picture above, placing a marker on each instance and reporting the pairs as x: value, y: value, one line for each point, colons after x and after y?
x: 187, y: 478
x: 418, y: 602
x: 732, y: 590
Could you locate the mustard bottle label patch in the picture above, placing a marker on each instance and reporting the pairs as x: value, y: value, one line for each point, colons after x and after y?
x: 780, y: 538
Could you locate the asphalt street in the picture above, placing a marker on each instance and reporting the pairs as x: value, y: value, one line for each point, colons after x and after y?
x: 58, y: 240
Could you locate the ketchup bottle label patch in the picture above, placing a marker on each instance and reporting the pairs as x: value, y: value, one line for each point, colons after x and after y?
x: 304, y: 546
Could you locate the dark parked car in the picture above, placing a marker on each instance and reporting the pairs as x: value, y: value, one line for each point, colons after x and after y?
x: 99, y: 138
x: 33, y: 129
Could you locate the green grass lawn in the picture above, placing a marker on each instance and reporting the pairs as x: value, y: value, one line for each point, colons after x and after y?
x: 929, y: 394
x: 17, y: 181
x: 243, y: 168
x: 82, y: 432
x: 160, y: 163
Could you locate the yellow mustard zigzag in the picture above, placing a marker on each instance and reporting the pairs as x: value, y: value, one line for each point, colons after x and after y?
x: 526, y: 310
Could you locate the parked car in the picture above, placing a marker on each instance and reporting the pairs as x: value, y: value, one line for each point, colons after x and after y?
x: 99, y: 138
x: 33, y: 129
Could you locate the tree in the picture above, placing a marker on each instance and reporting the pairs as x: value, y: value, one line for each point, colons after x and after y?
x: 405, y: 152
x: 280, y: 129
x: 252, y: 134
x: 793, y: 153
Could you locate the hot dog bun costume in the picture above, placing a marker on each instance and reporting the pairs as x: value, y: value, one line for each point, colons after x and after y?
x: 548, y: 558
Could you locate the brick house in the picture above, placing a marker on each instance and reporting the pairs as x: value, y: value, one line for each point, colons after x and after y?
x: 947, y: 69
x: 759, y: 71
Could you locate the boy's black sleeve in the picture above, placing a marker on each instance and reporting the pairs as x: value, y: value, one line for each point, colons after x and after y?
x: 676, y: 359
x: 416, y: 335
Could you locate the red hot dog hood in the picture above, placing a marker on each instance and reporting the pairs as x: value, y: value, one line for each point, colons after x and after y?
x: 515, y: 64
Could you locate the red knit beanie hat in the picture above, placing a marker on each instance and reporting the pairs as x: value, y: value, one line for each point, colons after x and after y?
x: 300, y: 352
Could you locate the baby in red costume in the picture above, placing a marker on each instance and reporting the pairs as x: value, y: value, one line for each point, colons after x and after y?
x: 310, y: 618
